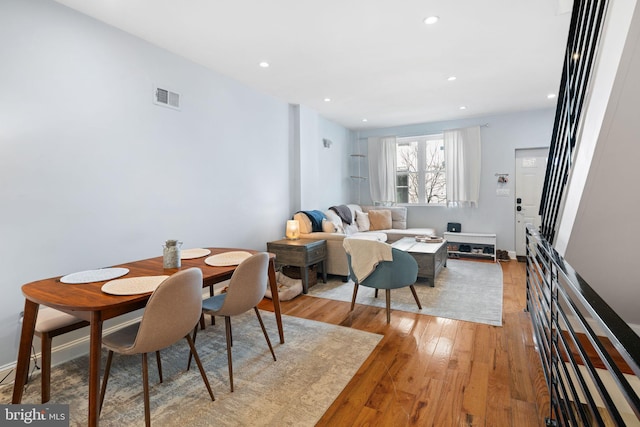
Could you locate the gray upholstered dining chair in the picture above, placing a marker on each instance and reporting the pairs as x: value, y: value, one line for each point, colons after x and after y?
x: 171, y: 313
x: 246, y: 289
x: 399, y: 272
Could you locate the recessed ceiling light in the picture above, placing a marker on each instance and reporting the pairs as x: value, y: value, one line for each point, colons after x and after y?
x: 463, y: 107
x: 327, y: 100
x: 431, y: 20
x: 365, y: 120
x: 264, y: 64
x: 551, y: 95
x: 452, y: 78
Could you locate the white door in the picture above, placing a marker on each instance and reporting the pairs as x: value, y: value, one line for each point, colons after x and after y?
x: 531, y: 166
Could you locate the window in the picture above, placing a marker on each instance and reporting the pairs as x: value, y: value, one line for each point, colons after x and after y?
x: 420, y: 170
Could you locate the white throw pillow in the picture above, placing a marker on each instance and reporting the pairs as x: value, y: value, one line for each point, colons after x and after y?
x: 328, y: 226
x: 335, y: 219
x: 362, y: 219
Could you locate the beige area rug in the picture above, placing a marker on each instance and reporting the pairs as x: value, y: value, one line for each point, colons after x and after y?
x: 314, y: 365
x: 464, y: 290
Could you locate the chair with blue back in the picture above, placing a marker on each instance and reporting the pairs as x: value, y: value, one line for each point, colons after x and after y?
x: 391, y: 269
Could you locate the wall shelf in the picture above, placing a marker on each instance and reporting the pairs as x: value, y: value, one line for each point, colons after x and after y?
x: 358, y: 167
x: 358, y: 158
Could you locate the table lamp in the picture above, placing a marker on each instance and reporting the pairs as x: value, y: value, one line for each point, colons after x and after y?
x: 293, y: 229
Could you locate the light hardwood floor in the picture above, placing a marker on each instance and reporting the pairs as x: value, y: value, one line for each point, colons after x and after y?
x: 431, y: 371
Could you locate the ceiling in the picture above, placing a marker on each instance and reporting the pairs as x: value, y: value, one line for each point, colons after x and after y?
x: 374, y: 59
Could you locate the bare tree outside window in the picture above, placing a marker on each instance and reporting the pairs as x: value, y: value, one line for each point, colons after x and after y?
x: 407, y: 172
x: 420, y: 170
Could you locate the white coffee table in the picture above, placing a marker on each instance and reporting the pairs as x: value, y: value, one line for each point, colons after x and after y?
x: 431, y: 257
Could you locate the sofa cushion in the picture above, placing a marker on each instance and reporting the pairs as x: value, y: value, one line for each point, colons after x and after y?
x: 350, y: 229
x: 394, y: 234
x: 398, y: 215
x: 380, y: 219
x: 362, y: 219
x: 370, y: 235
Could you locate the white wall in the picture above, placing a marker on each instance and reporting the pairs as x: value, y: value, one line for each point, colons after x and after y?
x: 334, y: 185
x: 603, y: 77
x: 323, y: 170
x: 603, y: 243
x: 503, y: 135
x: 92, y: 173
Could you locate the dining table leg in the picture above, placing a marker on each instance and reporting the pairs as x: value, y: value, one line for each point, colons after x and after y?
x: 275, y: 298
x: 24, y: 351
x: 95, y: 353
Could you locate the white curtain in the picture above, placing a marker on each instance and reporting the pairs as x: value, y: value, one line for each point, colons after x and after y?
x: 382, y: 168
x: 463, y: 160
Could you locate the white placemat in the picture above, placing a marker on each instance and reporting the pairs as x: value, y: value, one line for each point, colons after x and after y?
x: 194, y: 253
x: 227, y: 258
x: 133, y: 285
x: 98, y: 275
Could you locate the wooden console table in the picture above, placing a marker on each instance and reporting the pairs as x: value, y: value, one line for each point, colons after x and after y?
x: 301, y: 253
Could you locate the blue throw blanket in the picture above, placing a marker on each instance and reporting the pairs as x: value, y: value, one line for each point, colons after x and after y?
x: 316, y: 218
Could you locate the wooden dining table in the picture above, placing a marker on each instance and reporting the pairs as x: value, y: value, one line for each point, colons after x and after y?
x: 88, y: 301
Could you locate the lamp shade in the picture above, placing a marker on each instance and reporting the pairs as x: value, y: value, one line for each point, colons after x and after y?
x: 293, y: 229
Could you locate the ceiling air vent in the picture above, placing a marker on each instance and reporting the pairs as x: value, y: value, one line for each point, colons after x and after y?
x: 166, y: 98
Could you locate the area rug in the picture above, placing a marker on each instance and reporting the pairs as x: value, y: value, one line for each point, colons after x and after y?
x: 464, y: 290
x: 314, y: 364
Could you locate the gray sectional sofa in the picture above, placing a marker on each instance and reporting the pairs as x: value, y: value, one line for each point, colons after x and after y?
x: 335, y: 230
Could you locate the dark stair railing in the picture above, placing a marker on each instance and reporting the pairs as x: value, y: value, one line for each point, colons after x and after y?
x: 584, y: 32
x: 584, y: 346
x: 571, y: 349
